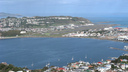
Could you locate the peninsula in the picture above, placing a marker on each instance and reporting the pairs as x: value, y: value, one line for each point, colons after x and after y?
x: 55, y: 26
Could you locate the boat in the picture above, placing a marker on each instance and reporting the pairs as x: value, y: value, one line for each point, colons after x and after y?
x: 125, y: 47
x: 102, y: 60
x: 111, y: 47
x: 32, y: 64
x: 72, y: 58
x: 85, y: 56
x: 48, y: 64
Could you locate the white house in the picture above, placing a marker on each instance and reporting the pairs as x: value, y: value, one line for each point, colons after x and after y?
x: 23, y: 32
x: 11, y: 71
x: 19, y: 71
x: 102, y: 69
x: 109, y: 28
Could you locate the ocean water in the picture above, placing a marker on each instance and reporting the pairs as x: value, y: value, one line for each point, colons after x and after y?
x: 123, y: 21
x: 23, y: 52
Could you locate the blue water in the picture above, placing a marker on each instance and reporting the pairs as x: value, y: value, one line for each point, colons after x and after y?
x: 123, y: 21
x: 39, y: 51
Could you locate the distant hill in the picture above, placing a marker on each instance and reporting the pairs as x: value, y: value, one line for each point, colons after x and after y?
x: 2, y: 14
x: 38, y: 21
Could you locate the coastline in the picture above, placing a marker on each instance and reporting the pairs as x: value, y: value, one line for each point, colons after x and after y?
x: 61, y: 37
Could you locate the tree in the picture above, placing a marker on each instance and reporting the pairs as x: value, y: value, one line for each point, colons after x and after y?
x: 11, y: 33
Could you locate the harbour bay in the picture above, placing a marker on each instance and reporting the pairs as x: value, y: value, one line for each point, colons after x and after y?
x: 64, y: 36
x: 23, y: 52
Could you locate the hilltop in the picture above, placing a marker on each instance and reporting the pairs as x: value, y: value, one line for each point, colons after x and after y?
x: 2, y: 14
x: 41, y: 22
x: 49, y: 26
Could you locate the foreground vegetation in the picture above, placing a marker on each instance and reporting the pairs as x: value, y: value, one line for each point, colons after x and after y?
x: 10, y: 33
x: 8, y: 67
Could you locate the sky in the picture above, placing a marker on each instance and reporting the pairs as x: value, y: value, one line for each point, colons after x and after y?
x: 65, y: 7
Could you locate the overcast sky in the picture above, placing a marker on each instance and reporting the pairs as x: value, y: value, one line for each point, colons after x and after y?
x: 65, y: 7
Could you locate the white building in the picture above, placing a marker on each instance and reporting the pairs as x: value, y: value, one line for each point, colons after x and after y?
x: 11, y: 71
x: 102, y: 69
x: 109, y: 28
x: 122, y: 38
x: 19, y: 71
x: 23, y: 32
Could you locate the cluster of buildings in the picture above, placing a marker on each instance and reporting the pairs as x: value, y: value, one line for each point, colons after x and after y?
x: 117, y: 33
x: 102, y: 66
x: 81, y: 34
x: 89, y: 33
x: 38, y: 30
x: 44, y: 30
x: 19, y: 22
x: 10, y: 22
x: 27, y: 23
x: 69, y: 26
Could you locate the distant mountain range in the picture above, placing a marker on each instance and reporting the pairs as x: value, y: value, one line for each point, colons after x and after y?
x: 2, y: 14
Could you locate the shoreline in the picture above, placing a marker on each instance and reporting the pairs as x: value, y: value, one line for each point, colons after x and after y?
x: 13, y: 37
x: 61, y: 37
